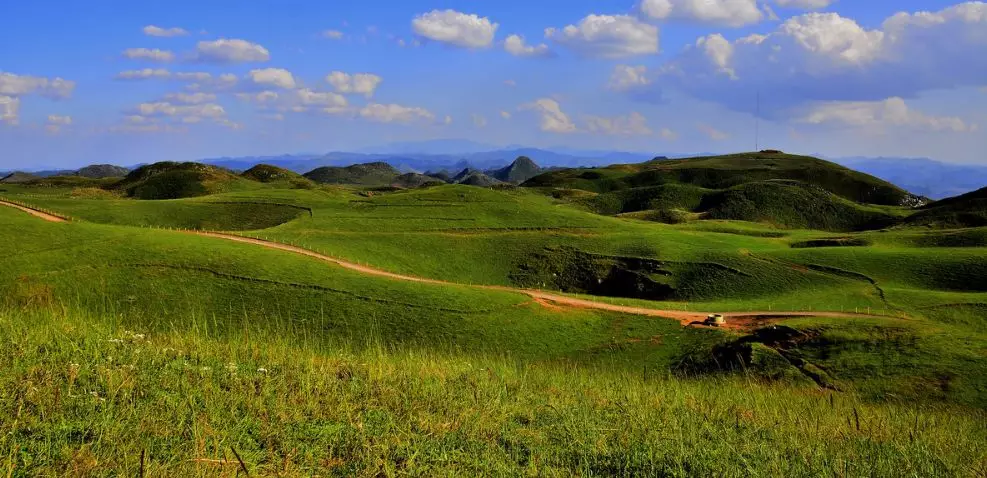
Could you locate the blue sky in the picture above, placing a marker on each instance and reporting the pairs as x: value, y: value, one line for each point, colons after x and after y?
x: 130, y: 82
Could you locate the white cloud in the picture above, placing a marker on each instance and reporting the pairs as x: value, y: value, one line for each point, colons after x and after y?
x: 230, y: 51
x: 879, y: 114
x: 668, y: 135
x: 333, y: 34
x: 155, y: 31
x: 190, y: 98
x: 448, y: 120
x: 306, y: 98
x: 805, y: 4
x: 513, y: 83
x: 732, y: 13
x: 9, y: 109
x: 711, y: 132
x: 20, y: 85
x: 506, y: 115
x: 607, y: 36
x: 143, y: 74
x: 516, y: 46
x: 455, y: 28
x: 479, y: 120
x: 392, y: 113
x: 553, y: 120
x: 149, y: 54
x: 360, y: 83
x: 826, y: 57
x: 278, y: 77
x: 626, y: 78
x: 634, y: 124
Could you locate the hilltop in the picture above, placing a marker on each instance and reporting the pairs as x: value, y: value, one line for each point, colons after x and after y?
x: 17, y: 177
x: 770, y: 187
x: 967, y: 210
x: 264, y: 173
x: 171, y: 180
x: 519, y: 171
x: 376, y: 173
x: 100, y: 171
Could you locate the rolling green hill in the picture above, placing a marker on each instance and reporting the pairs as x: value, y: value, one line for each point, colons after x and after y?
x: 368, y: 174
x: 142, y: 322
x: 272, y: 174
x: 967, y: 210
x: 171, y: 180
x: 773, y: 188
x: 99, y: 171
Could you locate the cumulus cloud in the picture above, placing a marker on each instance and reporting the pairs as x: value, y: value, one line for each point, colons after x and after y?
x: 190, y: 98
x: 668, y: 135
x: 732, y: 13
x: 163, y: 56
x: 516, y: 46
x: 360, y: 83
x: 307, y: 97
x: 9, y: 109
x: 805, y: 4
x: 20, y: 85
x: 634, y: 124
x: 230, y: 51
x: 155, y: 31
x: 607, y: 36
x: 392, y: 113
x: 455, y: 28
x: 711, y: 132
x: 880, y: 114
x: 826, y: 57
x: 277, y: 77
x: 479, y: 120
x: 506, y: 115
x: 553, y: 119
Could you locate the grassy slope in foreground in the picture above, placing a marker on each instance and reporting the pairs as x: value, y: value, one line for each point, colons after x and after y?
x: 89, y: 398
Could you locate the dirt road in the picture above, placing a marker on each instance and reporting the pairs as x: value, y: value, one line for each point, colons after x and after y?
x: 735, y: 320
x: 33, y: 212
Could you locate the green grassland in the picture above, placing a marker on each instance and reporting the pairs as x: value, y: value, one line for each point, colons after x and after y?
x: 117, y: 267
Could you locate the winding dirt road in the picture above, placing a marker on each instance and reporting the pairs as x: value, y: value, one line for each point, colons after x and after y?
x: 735, y: 320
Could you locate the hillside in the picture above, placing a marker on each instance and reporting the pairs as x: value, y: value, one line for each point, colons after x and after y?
x: 265, y: 173
x: 416, y: 180
x: 519, y: 171
x: 774, y: 188
x: 100, y: 171
x: 18, y: 177
x: 476, y: 178
x: 967, y: 210
x: 366, y: 174
x: 171, y: 180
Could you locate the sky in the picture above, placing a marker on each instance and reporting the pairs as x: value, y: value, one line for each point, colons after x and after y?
x: 132, y: 82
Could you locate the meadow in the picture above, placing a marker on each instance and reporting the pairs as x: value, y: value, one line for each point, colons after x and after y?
x: 139, y: 321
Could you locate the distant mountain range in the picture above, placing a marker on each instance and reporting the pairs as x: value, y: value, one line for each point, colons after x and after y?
x: 922, y: 176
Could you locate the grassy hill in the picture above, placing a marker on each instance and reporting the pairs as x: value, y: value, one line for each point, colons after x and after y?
x: 967, y: 210
x: 368, y: 174
x: 519, y: 171
x: 264, y: 173
x: 171, y: 180
x: 99, y: 171
x: 773, y: 188
x: 501, y: 383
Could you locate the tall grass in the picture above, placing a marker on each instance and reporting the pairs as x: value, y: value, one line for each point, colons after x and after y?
x: 80, y: 396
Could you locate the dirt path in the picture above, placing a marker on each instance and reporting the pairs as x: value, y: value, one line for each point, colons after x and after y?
x: 735, y: 320
x: 33, y: 212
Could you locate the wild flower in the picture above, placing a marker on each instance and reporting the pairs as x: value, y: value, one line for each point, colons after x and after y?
x: 262, y: 370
